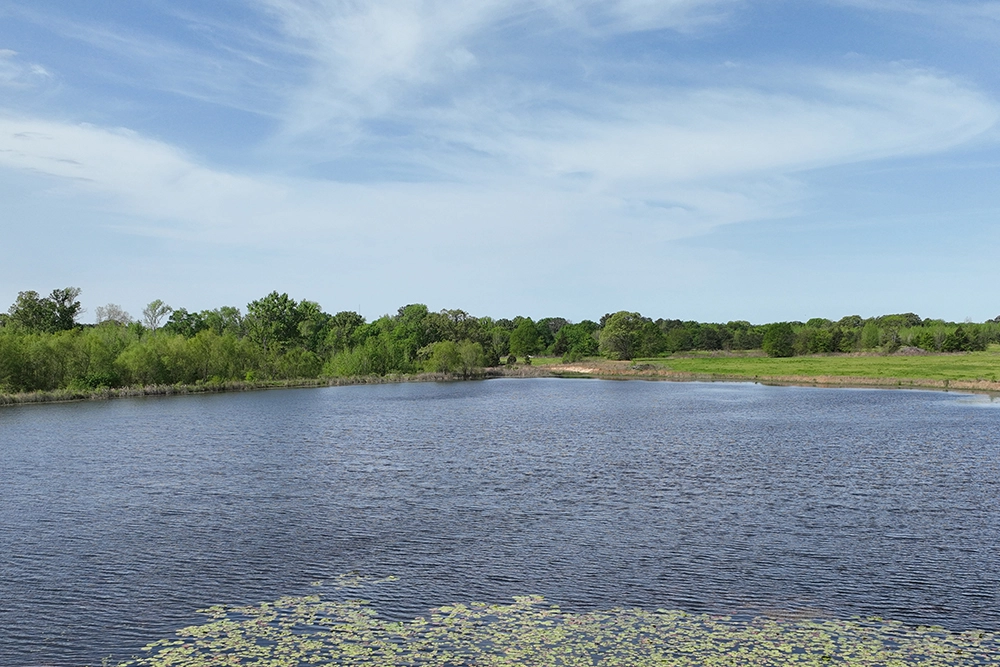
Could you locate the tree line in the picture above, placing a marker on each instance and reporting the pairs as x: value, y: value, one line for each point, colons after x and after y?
x: 44, y: 347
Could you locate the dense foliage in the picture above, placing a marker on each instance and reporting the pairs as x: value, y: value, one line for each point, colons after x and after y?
x: 43, y: 347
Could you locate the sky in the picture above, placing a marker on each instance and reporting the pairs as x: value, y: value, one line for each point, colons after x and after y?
x: 709, y: 160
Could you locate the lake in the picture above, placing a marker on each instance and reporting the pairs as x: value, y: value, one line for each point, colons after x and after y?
x: 118, y: 519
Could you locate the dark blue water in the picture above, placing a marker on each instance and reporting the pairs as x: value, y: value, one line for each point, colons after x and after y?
x: 118, y: 519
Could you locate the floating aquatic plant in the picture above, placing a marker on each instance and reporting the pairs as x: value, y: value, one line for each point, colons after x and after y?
x: 528, y: 632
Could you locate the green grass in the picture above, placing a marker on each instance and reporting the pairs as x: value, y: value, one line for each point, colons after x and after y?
x: 545, y: 361
x: 967, y: 366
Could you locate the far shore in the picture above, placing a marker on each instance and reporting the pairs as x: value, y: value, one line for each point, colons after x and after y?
x: 106, y: 393
x: 590, y: 368
x: 637, y: 371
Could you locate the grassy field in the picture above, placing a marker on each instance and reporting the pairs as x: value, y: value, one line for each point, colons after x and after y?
x: 963, y: 366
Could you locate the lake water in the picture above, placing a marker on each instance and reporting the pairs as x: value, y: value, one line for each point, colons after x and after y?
x: 118, y: 519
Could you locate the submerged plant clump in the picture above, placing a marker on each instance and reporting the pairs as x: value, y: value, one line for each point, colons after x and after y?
x: 308, y: 630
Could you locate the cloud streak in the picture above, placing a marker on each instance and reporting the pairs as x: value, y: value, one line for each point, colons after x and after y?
x: 677, y: 163
x: 14, y: 73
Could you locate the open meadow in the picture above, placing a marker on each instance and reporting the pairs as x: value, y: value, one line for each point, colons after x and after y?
x: 960, y: 366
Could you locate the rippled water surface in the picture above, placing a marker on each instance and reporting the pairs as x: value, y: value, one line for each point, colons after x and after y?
x: 118, y: 519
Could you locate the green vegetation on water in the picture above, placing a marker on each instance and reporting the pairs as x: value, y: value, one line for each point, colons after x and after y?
x: 528, y: 632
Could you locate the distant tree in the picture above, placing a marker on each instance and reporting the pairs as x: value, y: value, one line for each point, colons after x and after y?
x: 112, y: 313
x: 548, y: 328
x: 925, y: 339
x: 186, y: 324
x: 956, y: 341
x: 871, y: 337
x: 813, y: 340
x: 851, y: 322
x: 712, y: 337
x: 343, y: 325
x: 227, y: 319
x: 67, y: 307
x: 553, y: 324
x: 57, y: 312
x: 313, y: 325
x: 524, y: 339
x: 779, y: 340
x: 621, y: 335
x: 575, y: 341
x: 441, y: 357
x: 414, y: 327
x: 470, y: 356
x: 899, y: 320
x: 497, y: 344
x: 273, y: 321
x: 32, y: 312
x: 153, y: 314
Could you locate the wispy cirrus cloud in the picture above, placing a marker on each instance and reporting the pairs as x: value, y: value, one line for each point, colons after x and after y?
x: 976, y: 18
x: 125, y: 172
x: 417, y: 136
x: 370, y: 58
x: 440, y: 93
x: 15, y: 73
x: 685, y: 161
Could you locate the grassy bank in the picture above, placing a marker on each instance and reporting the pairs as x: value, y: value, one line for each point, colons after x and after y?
x: 968, y: 366
x: 63, y: 395
x: 973, y: 371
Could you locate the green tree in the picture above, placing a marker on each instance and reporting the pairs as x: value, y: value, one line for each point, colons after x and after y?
x: 443, y: 357
x: 779, y: 340
x: 575, y: 341
x: 813, y: 340
x: 313, y: 325
x: 470, y: 357
x: 340, y: 335
x: 871, y: 336
x: 524, y: 339
x: 956, y: 341
x: 57, y: 312
x: 186, y: 324
x: 273, y: 321
x: 66, y: 307
x: 622, y: 335
x: 224, y: 320
x: 31, y: 312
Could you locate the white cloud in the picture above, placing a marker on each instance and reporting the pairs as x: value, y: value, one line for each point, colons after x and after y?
x: 131, y: 173
x: 618, y: 16
x: 537, y: 152
x: 17, y: 74
x: 828, y: 118
x: 371, y: 56
x: 672, y: 163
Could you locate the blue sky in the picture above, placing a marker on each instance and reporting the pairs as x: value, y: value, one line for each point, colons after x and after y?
x: 693, y: 159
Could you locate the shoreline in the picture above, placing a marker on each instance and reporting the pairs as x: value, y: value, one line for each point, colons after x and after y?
x: 628, y: 371
x: 609, y: 370
x: 109, y: 393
